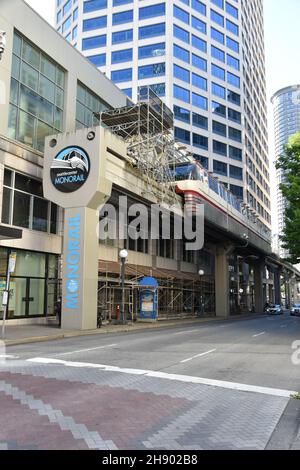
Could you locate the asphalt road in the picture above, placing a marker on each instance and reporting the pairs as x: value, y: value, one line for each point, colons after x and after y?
x: 229, y: 370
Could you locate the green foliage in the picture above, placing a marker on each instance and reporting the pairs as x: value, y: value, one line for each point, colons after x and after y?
x: 289, y: 162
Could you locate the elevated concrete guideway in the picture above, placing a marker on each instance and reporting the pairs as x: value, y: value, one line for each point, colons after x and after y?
x: 133, y: 153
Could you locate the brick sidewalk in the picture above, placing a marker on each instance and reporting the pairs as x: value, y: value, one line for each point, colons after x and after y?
x: 60, y: 407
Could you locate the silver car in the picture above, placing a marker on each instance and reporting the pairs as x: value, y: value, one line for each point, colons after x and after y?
x: 275, y: 309
x: 295, y: 310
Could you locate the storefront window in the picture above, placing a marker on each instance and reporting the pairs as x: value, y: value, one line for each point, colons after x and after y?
x: 23, y: 204
x: 30, y: 264
x: 34, y: 285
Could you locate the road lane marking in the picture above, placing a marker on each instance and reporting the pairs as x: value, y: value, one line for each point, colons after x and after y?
x: 259, y: 334
x: 198, y: 355
x: 186, y: 332
x: 83, y: 350
x: 8, y: 356
x: 283, y: 326
x: 164, y: 375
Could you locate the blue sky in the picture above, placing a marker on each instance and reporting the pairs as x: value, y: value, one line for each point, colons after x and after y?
x: 282, y: 34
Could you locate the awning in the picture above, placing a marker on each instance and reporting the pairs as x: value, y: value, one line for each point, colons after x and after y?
x: 9, y: 233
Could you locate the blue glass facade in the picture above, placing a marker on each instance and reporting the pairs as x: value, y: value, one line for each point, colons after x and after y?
x: 191, y: 53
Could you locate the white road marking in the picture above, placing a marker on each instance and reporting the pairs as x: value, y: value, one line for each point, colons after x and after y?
x: 198, y: 355
x: 283, y: 326
x: 164, y: 375
x: 8, y: 356
x: 259, y: 334
x: 186, y: 332
x: 84, y: 350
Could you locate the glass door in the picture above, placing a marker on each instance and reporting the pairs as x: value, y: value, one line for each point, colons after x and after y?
x: 36, y: 297
x: 17, y: 298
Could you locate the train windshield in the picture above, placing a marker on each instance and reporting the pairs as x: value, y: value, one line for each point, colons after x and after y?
x: 188, y: 171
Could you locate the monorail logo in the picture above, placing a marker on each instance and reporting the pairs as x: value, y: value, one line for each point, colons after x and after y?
x: 72, y: 260
x: 70, y: 169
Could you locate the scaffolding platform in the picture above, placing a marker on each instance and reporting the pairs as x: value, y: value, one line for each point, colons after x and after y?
x: 149, y: 116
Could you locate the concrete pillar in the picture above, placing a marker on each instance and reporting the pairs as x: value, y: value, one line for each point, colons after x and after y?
x: 259, y: 300
x: 222, y: 283
x: 80, y: 269
x: 277, y: 286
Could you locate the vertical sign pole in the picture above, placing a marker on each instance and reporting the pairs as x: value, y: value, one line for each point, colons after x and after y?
x: 123, y: 289
x: 10, y: 270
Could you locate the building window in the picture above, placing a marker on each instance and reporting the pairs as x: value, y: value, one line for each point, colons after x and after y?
x: 220, y: 148
x: 119, y: 76
x: 94, y: 23
x: 236, y: 172
x: 23, y: 204
x: 152, y: 11
x: 36, y: 96
x: 121, y: 56
x: 153, y: 50
x: 200, y: 121
x: 122, y: 17
x: 99, y: 60
x: 94, y: 42
x: 152, y: 70
x: 87, y: 104
x: 200, y: 141
x: 181, y: 93
x: 152, y: 31
x: 122, y: 36
x: 158, y: 88
x: 165, y: 248
x: 182, y: 114
x: 182, y: 135
x: 34, y: 284
x: 94, y: 5
x: 220, y: 168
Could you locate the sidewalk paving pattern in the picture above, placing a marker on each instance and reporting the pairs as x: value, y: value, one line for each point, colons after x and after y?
x: 59, y: 407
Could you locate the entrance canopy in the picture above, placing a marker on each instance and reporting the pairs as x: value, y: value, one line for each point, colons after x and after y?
x: 9, y: 233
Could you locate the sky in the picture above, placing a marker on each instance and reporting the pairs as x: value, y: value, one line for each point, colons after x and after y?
x: 282, y: 35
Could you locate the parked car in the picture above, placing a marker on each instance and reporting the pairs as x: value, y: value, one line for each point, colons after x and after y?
x: 274, y: 309
x: 295, y: 310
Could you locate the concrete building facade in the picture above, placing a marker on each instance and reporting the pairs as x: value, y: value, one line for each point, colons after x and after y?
x: 44, y: 86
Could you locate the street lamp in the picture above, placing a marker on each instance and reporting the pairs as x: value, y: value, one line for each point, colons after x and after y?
x: 201, y: 274
x: 123, y: 256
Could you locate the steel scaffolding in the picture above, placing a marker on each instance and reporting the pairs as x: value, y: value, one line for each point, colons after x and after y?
x: 147, y: 128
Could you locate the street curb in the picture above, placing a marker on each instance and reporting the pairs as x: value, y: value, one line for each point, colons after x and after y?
x: 127, y: 329
x: 286, y: 435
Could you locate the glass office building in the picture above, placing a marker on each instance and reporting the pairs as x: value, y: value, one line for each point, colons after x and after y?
x: 206, y: 59
x: 286, y: 104
x: 46, y: 87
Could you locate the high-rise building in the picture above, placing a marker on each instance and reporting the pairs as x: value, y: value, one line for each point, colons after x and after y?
x: 206, y: 58
x: 286, y: 103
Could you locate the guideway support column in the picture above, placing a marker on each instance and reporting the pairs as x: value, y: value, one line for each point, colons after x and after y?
x: 277, y: 286
x: 259, y: 301
x: 222, y: 281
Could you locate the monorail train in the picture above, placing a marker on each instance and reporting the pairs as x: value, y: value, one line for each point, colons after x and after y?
x: 198, y: 186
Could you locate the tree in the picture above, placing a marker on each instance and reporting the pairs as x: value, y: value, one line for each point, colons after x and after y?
x: 289, y: 163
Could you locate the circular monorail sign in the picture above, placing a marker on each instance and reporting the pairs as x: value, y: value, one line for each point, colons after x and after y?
x: 70, y: 169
